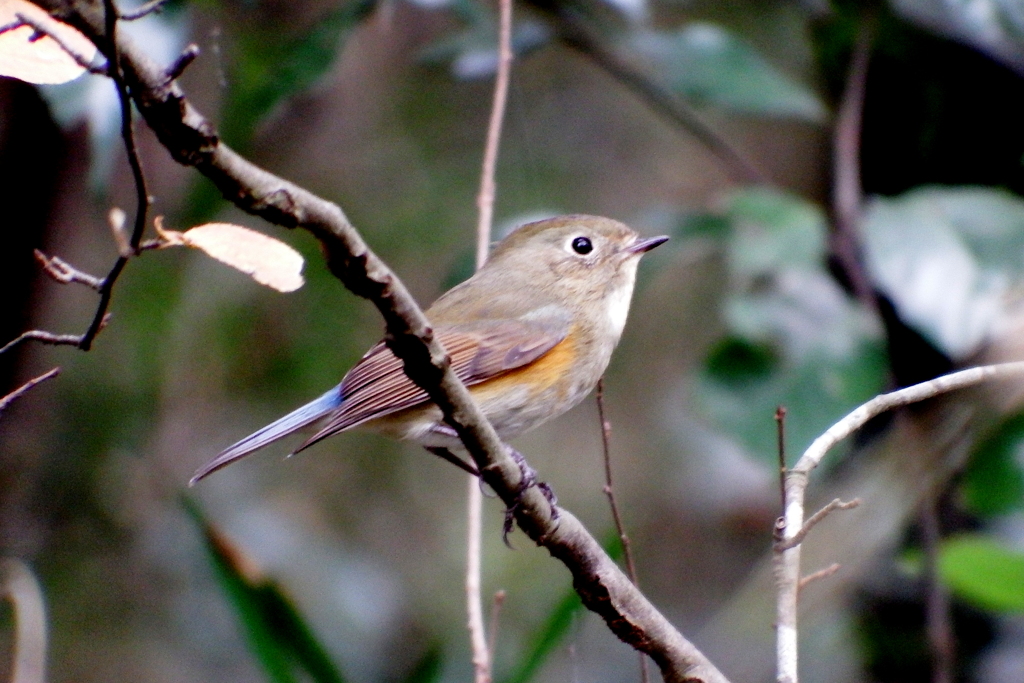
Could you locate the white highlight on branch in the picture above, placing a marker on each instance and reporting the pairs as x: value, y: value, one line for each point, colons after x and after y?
x: 18, y: 584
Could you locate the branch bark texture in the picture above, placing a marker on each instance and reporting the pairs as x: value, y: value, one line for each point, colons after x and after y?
x: 193, y: 141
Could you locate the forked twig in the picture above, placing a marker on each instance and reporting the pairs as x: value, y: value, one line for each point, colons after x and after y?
x: 787, y: 559
x: 65, y: 273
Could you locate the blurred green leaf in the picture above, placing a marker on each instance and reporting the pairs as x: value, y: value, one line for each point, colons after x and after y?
x: 547, y: 638
x: 984, y: 573
x: 772, y: 230
x: 737, y: 361
x: 553, y: 631
x: 794, y: 337
x: 709, y: 65
x: 428, y: 669
x: 993, y: 483
x: 703, y: 225
x: 277, y: 633
x: 949, y: 258
x: 270, y: 66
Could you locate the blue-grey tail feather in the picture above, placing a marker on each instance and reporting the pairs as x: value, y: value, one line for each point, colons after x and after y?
x: 292, y: 422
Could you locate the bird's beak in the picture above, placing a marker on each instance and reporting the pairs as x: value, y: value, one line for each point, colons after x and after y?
x: 641, y: 245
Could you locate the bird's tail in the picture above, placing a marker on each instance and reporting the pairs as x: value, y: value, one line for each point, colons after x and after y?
x: 292, y: 422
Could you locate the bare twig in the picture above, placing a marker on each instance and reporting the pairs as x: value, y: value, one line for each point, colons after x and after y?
x: 812, y: 521
x: 575, y: 33
x: 474, y: 606
x: 145, y: 10
x: 106, y: 289
x: 19, y: 585
x: 90, y: 65
x: 44, y: 337
x: 485, y: 205
x: 62, y: 271
x: 609, y: 490
x: 106, y: 285
x: 485, y: 199
x: 192, y: 140
x: 178, y: 66
x: 938, y: 625
x: 847, y: 193
x: 780, y: 423
x: 20, y: 391
x: 820, y: 574
x: 14, y: 25
x: 496, y: 604
x: 787, y: 562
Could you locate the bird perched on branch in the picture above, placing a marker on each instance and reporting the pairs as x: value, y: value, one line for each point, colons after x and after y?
x: 530, y: 334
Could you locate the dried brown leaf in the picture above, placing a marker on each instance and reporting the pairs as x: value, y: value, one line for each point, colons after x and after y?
x: 41, y: 61
x: 269, y: 261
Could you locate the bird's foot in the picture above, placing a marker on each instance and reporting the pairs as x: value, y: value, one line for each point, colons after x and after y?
x: 446, y: 454
x: 528, y: 479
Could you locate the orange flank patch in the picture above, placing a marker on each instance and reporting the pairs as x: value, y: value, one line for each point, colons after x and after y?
x: 539, y: 375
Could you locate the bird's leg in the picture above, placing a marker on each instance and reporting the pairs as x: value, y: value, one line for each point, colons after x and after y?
x: 446, y: 454
x: 528, y: 479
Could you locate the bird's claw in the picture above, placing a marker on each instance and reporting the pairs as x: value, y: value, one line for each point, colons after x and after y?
x: 528, y: 479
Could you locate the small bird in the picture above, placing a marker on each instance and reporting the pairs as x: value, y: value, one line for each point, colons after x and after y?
x: 530, y: 334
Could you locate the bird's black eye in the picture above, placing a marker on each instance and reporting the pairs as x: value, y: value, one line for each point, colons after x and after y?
x: 582, y: 245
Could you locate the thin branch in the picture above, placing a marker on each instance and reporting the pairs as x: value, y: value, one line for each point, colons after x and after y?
x: 106, y: 285
x: 44, y: 337
x: 780, y: 424
x: 609, y: 490
x: 496, y: 604
x: 485, y: 205
x: 812, y: 521
x: 485, y: 199
x: 820, y: 574
x: 787, y: 562
x: 24, y: 388
x: 19, y: 585
x: 847, y: 193
x: 14, y: 25
x: 63, y: 272
x: 575, y: 33
x: 114, y: 71
x: 90, y: 65
x: 192, y: 140
x: 938, y: 625
x: 151, y: 7
x: 178, y: 66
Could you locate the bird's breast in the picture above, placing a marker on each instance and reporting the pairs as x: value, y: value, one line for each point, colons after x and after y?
x: 528, y: 396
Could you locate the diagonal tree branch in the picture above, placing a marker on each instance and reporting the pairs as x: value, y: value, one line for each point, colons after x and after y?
x: 192, y: 140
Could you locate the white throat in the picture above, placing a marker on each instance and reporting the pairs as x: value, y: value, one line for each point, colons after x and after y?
x: 618, y: 302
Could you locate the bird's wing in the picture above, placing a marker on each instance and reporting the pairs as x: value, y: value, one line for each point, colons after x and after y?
x: 378, y: 386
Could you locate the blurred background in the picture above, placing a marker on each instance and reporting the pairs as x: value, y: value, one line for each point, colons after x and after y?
x: 843, y: 185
